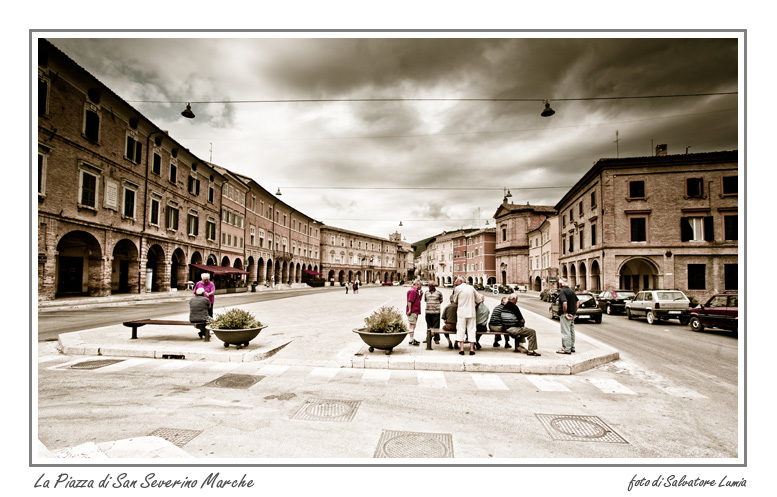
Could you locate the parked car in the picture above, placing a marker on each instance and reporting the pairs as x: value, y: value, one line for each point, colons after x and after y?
x: 659, y: 305
x: 478, y: 286
x: 614, y: 301
x: 387, y: 283
x: 488, y: 288
x: 504, y: 289
x: 518, y: 288
x: 425, y: 282
x: 588, y: 308
x: 720, y: 311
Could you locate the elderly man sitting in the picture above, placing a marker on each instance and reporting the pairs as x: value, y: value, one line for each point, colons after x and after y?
x: 513, y: 323
x: 198, y: 313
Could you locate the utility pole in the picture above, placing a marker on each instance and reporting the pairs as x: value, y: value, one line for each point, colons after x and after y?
x: 617, y: 148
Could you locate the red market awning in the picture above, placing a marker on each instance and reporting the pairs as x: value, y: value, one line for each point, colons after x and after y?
x: 311, y: 272
x: 218, y: 269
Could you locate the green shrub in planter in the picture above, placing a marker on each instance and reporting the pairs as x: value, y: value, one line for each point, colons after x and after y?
x: 385, y: 320
x: 235, y: 319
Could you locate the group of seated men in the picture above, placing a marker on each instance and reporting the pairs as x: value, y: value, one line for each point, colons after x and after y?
x: 506, y: 317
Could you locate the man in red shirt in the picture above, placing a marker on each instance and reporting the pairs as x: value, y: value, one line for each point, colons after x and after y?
x: 413, y: 309
x: 210, y: 290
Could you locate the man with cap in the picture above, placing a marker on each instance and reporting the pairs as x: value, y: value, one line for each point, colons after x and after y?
x: 567, y: 308
x: 209, y: 290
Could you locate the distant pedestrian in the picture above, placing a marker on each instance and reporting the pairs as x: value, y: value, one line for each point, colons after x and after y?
x: 209, y: 288
x: 433, y: 299
x: 465, y: 296
x: 347, y: 286
x: 413, y: 309
x: 356, y: 287
x: 567, y: 309
x: 198, y: 313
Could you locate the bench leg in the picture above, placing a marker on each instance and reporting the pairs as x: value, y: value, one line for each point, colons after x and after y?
x: 134, y: 333
x: 428, y: 339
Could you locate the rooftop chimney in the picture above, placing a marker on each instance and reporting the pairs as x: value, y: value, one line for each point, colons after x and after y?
x: 661, y: 149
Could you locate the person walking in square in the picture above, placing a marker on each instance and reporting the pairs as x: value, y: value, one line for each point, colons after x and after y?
x: 567, y: 309
x: 413, y: 309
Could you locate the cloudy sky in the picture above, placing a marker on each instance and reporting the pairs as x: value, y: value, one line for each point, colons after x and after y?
x: 433, y: 165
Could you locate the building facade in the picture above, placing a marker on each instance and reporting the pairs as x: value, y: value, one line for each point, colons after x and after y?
x: 513, y: 225
x: 473, y: 256
x: 352, y: 256
x: 543, y: 255
x: 122, y: 207
x: 660, y: 222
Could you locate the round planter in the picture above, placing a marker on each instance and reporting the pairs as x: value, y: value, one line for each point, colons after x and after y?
x: 382, y: 341
x: 239, y: 338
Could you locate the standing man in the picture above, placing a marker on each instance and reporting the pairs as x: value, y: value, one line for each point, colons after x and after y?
x: 413, y: 309
x: 567, y: 309
x: 465, y: 296
x: 209, y: 290
x: 433, y: 299
x: 481, y: 319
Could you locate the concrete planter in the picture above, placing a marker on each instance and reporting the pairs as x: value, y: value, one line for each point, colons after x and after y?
x: 382, y: 341
x: 239, y: 338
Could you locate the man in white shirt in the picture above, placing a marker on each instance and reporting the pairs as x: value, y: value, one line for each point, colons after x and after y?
x: 465, y: 297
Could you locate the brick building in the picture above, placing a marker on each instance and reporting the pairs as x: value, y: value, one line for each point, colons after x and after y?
x: 666, y: 221
x: 122, y: 207
x: 513, y: 225
x: 473, y: 256
x: 268, y: 262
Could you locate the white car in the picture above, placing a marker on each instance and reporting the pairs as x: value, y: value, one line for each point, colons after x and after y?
x: 659, y: 305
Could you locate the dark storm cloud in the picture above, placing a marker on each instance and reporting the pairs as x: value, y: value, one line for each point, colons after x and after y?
x: 400, y: 146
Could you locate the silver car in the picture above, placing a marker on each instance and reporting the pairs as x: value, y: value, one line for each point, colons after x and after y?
x: 659, y: 305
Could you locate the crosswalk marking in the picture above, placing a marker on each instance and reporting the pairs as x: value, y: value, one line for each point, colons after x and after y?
x: 119, y: 366
x: 611, y: 386
x: 376, y: 376
x: 545, y: 384
x: 173, y: 365
x: 421, y: 378
x: 273, y: 370
x: 325, y: 373
x: 488, y: 381
x: 432, y: 379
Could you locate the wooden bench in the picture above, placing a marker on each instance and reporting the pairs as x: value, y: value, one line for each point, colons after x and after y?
x: 450, y: 344
x: 142, y: 322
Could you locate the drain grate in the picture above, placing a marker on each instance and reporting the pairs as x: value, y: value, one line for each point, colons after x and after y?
x: 175, y: 436
x: 328, y: 410
x: 95, y: 364
x: 578, y: 428
x: 413, y: 444
x: 235, y: 381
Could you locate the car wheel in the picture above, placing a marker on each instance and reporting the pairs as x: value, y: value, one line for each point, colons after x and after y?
x: 609, y: 309
x: 628, y: 314
x: 695, y: 324
x: 651, y: 319
x: 683, y: 321
x: 598, y: 319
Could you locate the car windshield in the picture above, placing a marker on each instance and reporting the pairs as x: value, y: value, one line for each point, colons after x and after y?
x: 671, y: 296
x: 584, y: 298
x: 625, y: 295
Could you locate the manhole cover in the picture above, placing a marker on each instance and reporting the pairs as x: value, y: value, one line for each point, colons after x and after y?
x: 95, y: 364
x: 579, y: 428
x: 410, y: 444
x: 175, y: 436
x: 328, y: 410
x: 235, y: 381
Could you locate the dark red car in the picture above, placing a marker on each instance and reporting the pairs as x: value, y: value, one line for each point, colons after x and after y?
x: 720, y: 311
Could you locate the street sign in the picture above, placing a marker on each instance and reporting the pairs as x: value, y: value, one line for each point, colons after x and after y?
x: 496, y: 291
